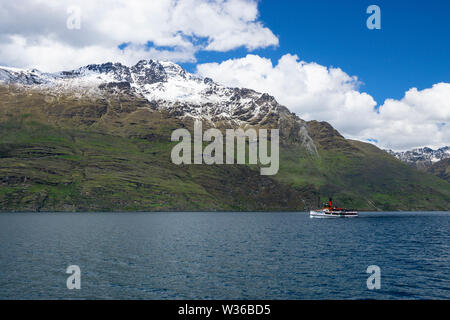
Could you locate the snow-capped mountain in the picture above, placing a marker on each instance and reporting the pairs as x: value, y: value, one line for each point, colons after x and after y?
x: 167, y: 86
x: 422, y: 158
x: 164, y: 83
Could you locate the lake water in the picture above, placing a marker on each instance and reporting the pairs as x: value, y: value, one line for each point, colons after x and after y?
x: 224, y: 255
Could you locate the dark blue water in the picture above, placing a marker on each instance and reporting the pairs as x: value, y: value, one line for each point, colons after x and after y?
x: 224, y: 255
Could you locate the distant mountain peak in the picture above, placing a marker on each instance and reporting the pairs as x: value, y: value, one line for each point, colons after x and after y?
x: 422, y: 158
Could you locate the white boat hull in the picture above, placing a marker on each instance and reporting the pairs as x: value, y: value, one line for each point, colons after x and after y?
x: 332, y: 214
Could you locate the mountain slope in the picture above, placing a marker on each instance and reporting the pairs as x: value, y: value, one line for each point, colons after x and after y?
x: 98, y: 138
x: 113, y: 153
x: 359, y: 175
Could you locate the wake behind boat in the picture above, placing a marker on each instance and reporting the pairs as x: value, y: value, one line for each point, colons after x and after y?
x: 328, y: 211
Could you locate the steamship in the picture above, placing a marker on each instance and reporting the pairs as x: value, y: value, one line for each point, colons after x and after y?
x: 329, y: 211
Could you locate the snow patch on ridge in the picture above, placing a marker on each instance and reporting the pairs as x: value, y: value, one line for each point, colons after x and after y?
x: 162, y: 82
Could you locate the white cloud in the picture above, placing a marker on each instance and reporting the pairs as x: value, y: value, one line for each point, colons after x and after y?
x: 34, y: 33
x: 329, y: 94
x: 421, y: 118
x: 50, y: 55
x: 309, y: 89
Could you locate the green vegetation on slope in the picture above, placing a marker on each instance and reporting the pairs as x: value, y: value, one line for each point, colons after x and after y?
x: 55, y: 157
x: 69, y: 153
x: 360, y: 175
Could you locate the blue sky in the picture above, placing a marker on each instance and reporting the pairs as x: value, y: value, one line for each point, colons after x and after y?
x: 412, y: 49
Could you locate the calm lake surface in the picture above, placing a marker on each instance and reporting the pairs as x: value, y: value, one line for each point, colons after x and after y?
x: 224, y: 255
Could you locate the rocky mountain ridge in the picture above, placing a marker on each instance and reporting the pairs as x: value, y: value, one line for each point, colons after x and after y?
x: 168, y: 87
x: 422, y: 158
